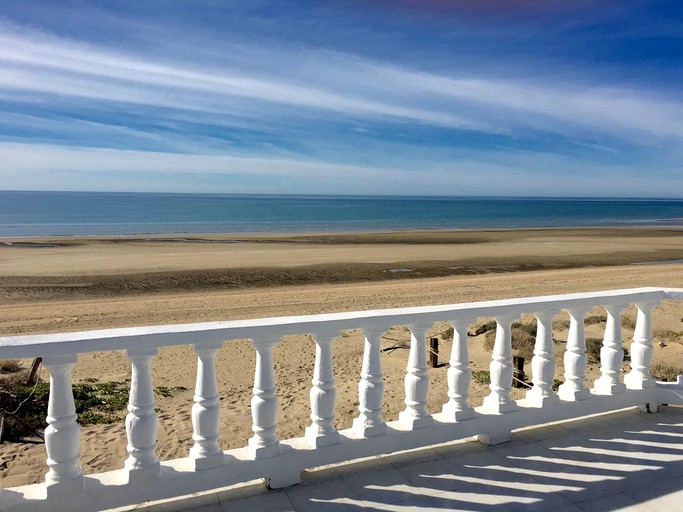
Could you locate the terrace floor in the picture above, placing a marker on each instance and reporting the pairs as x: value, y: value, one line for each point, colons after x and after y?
x: 623, y: 461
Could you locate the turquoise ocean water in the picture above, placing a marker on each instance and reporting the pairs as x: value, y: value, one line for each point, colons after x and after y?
x: 99, y: 213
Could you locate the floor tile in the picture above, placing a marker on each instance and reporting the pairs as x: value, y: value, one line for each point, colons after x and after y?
x: 476, y: 498
x: 386, y: 486
x: 415, y: 503
x: 274, y: 501
x: 332, y: 496
x: 433, y: 477
x: 618, y: 501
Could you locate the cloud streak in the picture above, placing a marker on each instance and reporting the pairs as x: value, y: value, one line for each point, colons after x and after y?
x: 243, y: 104
x: 520, y: 174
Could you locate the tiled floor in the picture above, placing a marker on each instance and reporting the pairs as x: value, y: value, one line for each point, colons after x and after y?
x: 625, y: 461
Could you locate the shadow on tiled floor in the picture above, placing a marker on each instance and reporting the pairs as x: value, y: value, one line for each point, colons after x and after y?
x: 624, y: 461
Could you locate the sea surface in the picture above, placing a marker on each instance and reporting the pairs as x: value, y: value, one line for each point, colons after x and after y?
x: 119, y: 214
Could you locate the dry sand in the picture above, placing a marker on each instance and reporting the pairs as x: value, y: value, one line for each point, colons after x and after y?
x: 86, y: 284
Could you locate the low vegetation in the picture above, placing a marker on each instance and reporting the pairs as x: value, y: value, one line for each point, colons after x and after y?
x: 665, y: 372
x: 626, y: 322
x: 523, y: 339
x: 667, y: 335
x: 10, y: 366
x: 96, y: 402
x: 593, y: 346
x: 481, y: 377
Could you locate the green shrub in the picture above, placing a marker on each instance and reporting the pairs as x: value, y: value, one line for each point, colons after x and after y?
x: 30, y: 418
x: 95, y: 403
x: 556, y: 384
x: 481, y: 377
x: 165, y: 391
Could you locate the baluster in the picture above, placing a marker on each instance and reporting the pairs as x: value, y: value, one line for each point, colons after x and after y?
x: 543, y: 363
x: 141, y: 421
x: 264, y: 442
x: 499, y: 401
x: 370, y: 390
x: 459, y: 374
x: 321, y: 431
x: 206, y: 410
x: 62, y: 436
x: 641, y: 350
x: 611, y: 355
x: 573, y: 388
x: 415, y: 415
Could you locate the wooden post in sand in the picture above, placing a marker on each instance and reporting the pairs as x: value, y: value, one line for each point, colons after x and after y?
x: 434, y: 352
x: 33, y: 372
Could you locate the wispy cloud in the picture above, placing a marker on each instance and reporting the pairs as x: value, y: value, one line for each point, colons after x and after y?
x: 208, y: 103
x: 517, y: 174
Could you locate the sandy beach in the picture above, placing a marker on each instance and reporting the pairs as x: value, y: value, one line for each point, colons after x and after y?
x: 67, y: 284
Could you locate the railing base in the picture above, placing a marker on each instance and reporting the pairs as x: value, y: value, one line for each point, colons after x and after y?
x: 212, y: 461
x: 457, y: 415
x: 69, y: 488
x: 179, y: 478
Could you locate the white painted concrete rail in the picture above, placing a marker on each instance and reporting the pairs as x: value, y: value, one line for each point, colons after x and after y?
x: 207, y: 466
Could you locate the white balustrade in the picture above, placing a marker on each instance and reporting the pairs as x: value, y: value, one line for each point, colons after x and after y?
x: 611, y: 354
x: 265, y: 442
x: 62, y: 436
x: 280, y: 462
x: 499, y: 401
x: 206, y: 411
x: 573, y: 389
x: 370, y: 390
x: 641, y: 350
x: 415, y: 415
x: 321, y: 431
x: 459, y: 374
x: 141, y: 421
x: 543, y: 363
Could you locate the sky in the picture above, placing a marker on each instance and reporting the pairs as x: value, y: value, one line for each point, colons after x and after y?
x: 409, y: 97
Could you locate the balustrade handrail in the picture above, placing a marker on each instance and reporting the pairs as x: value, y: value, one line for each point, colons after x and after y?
x: 271, y: 329
x: 281, y: 462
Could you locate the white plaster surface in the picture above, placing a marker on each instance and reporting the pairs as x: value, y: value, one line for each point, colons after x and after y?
x: 636, y: 464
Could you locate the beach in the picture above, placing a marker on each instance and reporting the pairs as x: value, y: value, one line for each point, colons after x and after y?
x: 73, y: 284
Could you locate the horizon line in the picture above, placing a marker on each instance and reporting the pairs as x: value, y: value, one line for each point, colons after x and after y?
x: 368, y: 196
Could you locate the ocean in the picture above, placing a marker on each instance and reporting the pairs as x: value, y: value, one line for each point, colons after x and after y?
x: 28, y: 214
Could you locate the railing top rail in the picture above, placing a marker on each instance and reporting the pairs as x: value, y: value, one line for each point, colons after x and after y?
x: 271, y: 329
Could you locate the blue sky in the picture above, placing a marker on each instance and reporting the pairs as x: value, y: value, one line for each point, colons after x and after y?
x: 530, y: 98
